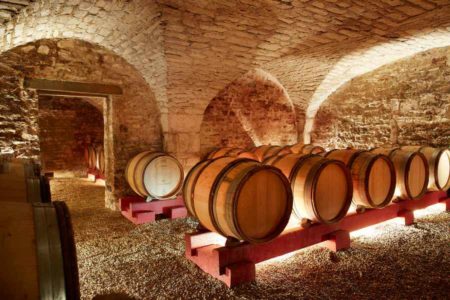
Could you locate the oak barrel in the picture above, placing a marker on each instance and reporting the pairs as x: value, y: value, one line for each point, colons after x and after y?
x: 239, y: 198
x: 265, y: 151
x: 92, y: 157
x: 248, y: 154
x: 154, y: 174
x: 411, y: 170
x: 373, y: 176
x: 439, y: 166
x: 100, y: 159
x: 20, y: 181
x: 306, y: 149
x: 37, y: 252
x: 226, y: 151
x: 322, y: 188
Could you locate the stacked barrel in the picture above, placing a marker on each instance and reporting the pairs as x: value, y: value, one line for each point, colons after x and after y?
x: 154, y: 175
x: 323, y: 184
x: 95, y: 158
x: 239, y: 198
x: 37, y: 252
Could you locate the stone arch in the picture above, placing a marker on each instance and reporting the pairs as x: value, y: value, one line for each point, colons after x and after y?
x: 127, y: 132
x: 129, y: 28
x: 402, y: 103
x: 252, y: 110
x: 364, y: 61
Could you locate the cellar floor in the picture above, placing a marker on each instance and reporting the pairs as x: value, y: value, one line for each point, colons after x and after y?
x: 118, y: 260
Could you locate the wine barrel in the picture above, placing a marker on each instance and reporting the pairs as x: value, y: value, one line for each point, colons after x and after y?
x: 411, y: 171
x: 439, y: 166
x: 100, y: 159
x: 92, y: 157
x: 248, y: 154
x: 264, y: 151
x: 227, y: 151
x: 373, y: 176
x: 154, y: 174
x: 37, y: 254
x: 306, y: 149
x: 239, y: 198
x: 20, y: 181
x: 322, y: 188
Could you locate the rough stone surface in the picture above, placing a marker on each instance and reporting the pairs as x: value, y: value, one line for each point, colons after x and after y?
x: 66, y: 127
x: 132, y: 120
x: 253, y: 110
x: 118, y: 260
x: 404, y: 103
x: 188, y: 51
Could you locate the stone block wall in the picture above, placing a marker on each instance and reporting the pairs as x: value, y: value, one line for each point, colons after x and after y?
x: 132, y: 120
x: 66, y: 127
x: 253, y: 110
x: 404, y: 103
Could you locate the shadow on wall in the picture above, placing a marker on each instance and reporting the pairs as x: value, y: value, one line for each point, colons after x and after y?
x: 253, y: 110
x: 403, y: 103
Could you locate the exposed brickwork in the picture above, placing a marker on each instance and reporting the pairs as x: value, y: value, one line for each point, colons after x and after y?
x: 133, y: 119
x: 129, y: 28
x: 189, y: 51
x: 66, y: 127
x: 253, y: 110
x: 406, y: 103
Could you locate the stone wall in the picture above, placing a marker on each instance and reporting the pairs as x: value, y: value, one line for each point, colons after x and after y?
x: 66, y: 127
x: 405, y: 103
x: 253, y: 110
x: 132, y: 122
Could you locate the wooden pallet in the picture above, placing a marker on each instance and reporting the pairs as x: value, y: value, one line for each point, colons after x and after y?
x: 138, y: 211
x: 235, y: 264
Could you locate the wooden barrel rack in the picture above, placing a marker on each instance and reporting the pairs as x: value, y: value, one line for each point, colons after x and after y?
x: 138, y: 211
x: 234, y: 263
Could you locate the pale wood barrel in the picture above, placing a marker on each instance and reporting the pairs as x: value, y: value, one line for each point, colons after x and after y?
x: 219, y: 152
x: 37, y: 252
x: 239, y: 198
x: 154, y: 174
x: 20, y: 181
x: 226, y: 151
x: 265, y: 151
x: 248, y: 154
x: 373, y: 176
x: 322, y: 188
x: 306, y: 149
x: 439, y: 166
x: 411, y: 170
x: 100, y: 159
x: 189, y: 184
x: 92, y: 157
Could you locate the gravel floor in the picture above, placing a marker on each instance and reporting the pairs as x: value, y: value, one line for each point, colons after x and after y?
x: 118, y: 260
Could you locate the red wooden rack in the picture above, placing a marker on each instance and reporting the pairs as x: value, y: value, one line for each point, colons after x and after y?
x: 138, y: 211
x: 235, y: 264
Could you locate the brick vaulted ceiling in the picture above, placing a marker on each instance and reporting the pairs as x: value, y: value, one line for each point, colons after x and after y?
x: 190, y: 50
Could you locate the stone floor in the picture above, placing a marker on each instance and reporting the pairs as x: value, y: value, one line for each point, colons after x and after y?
x: 118, y: 260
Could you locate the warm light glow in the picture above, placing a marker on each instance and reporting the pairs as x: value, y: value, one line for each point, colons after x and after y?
x: 432, y: 209
x: 375, y: 230
x: 283, y: 257
x: 397, y: 192
x: 91, y: 177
